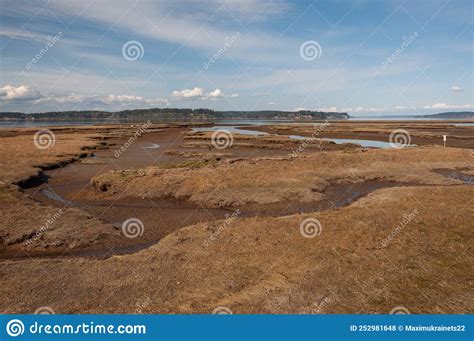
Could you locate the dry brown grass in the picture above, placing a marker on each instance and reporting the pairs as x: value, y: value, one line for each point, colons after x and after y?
x: 421, y: 129
x: 22, y: 160
x: 28, y: 226
x: 264, y: 265
x: 302, y: 179
x: 252, y: 265
x: 420, y: 132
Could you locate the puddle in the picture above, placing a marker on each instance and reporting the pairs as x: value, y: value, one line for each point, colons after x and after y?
x: 232, y: 129
x: 50, y: 194
x: 363, y: 143
x: 457, y: 175
x: 150, y: 146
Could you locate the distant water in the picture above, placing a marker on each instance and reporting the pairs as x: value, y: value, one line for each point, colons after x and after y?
x: 363, y: 143
x: 232, y: 129
x: 395, y: 118
x: 367, y: 143
x: 27, y: 124
x: 464, y: 124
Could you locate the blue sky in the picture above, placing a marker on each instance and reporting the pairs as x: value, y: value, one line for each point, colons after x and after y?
x: 370, y: 57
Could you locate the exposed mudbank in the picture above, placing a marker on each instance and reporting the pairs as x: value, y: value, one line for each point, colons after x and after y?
x: 162, y: 216
x: 337, y: 195
x: 33, y: 181
x: 235, y: 254
x: 40, y: 177
x: 456, y: 174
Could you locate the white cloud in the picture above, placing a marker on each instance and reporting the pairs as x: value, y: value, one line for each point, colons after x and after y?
x: 123, y: 98
x: 21, y: 34
x: 449, y: 106
x: 363, y: 110
x: 188, y: 93
x: 189, y: 26
x: 104, y: 101
x: 251, y: 8
x: 20, y: 93
x: 456, y: 88
x: 328, y: 109
x: 215, y: 93
x: 11, y: 95
x: 200, y: 93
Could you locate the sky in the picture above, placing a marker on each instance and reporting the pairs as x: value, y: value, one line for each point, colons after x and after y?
x: 363, y: 57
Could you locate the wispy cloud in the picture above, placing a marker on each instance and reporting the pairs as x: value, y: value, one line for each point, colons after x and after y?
x: 445, y: 106
x: 262, y: 66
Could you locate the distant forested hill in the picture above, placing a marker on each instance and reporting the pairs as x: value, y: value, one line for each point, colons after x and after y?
x: 453, y: 115
x: 175, y: 114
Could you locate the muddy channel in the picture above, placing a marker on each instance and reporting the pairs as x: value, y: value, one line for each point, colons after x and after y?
x: 70, y: 186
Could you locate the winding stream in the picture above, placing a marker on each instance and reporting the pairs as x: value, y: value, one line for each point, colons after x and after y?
x: 163, y: 216
x: 363, y: 143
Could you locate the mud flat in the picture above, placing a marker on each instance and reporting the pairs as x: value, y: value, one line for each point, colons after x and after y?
x: 421, y: 133
x: 235, y: 227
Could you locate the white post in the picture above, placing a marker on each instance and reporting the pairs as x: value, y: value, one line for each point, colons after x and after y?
x: 444, y: 140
